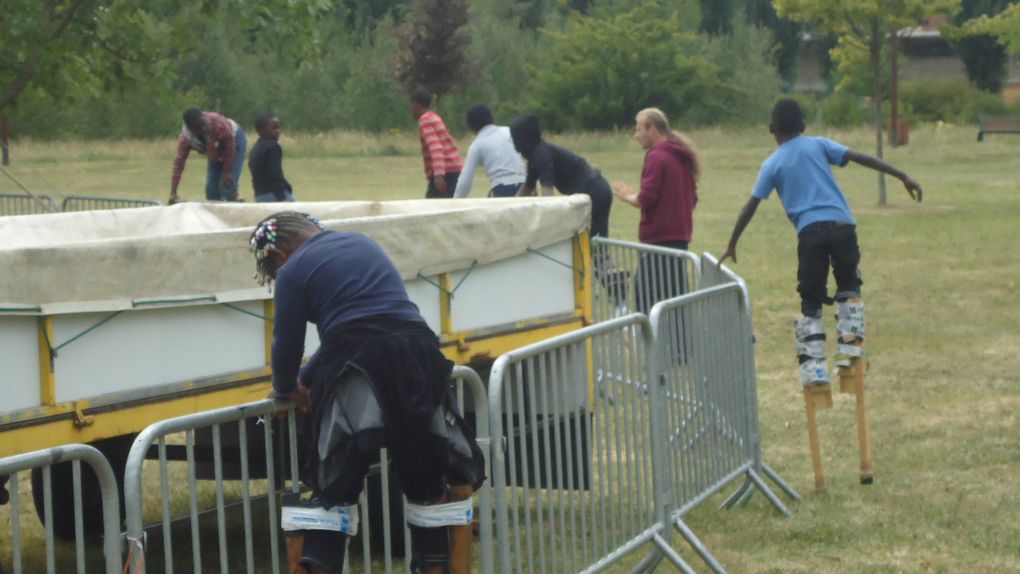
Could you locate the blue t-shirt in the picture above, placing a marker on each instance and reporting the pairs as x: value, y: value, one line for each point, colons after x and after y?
x: 799, y: 171
x: 333, y: 279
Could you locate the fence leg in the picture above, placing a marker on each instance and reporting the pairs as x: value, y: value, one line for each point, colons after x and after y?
x: 853, y: 378
x: 740, y: 496
x: 774, y: 476
x: 649, y: 563
x: 668, y: 552
x: 767, y: 492
x: 816, y: 397
x: 698, y: 547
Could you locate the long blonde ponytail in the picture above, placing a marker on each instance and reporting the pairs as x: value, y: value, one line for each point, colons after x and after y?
x: 656, y: 118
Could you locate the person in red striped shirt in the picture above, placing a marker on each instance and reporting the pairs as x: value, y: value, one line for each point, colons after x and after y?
x: 438, y: 150
x: 221, y: 140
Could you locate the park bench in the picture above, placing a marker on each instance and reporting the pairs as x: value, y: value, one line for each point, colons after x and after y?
x: 998, y: 125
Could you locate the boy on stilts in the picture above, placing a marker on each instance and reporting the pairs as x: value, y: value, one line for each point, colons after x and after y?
x: 799, y: 170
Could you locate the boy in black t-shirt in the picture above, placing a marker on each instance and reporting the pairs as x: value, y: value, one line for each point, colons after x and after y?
x: 266, y: 162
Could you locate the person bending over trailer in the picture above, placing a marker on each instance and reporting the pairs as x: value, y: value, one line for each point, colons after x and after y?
x: 377, y: 380
x: 826, y: 234
x: 222, y: 141
x: 551, y: 166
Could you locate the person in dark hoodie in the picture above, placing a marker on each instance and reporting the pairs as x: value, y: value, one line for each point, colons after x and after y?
x: 669, y: 183
x: 553, y: 166
x: 266, y: 162
x: 668, y: 194
x: 377, y: 380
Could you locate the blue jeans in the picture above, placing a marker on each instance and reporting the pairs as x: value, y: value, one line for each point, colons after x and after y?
x: 270, y: 197
x: 505, y: 190
x: 214, y: 188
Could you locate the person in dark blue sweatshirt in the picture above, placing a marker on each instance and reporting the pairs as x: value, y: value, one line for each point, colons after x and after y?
x: 377, y: 380
x: 266, y: 162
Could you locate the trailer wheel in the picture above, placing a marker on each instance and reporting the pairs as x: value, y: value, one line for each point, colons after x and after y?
x: 115, y: 450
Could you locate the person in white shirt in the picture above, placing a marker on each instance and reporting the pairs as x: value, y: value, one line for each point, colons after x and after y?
x: 494, y: 149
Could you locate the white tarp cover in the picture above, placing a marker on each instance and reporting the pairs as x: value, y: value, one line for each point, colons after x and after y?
x: 105, y: 260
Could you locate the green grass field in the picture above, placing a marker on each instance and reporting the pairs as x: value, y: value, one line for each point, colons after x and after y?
x: 944, y: 331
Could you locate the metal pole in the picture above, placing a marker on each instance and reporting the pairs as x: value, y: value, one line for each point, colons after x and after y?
x: 27, y: 191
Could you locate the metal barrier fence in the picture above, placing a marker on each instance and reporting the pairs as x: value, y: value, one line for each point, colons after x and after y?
x: 23, y: 204
x: 613, y: 433
x: 92, y: 203
x: 715, y: 274
x: 575, y: 488
x: 708, y: 403
x: 632, y: 277
x: 107, y: 484
x: 215, y: 425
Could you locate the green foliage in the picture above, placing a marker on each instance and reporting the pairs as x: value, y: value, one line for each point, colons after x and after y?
x: 948, y: 101
x: 862, y: 28
x: 982, y: 54
x: 70, y: 48
x: 842, y: 110
x: 1005, y: 26
x: 785, y: 31
x: 323, y: 65
x: 600, y: 71
x: 717, y: 16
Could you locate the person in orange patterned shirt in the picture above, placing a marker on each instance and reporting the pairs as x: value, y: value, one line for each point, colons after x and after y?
x: 438, y: 150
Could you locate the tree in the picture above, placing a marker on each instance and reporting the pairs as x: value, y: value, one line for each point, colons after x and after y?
x: 1005, y: 26
x: 982, y: 54
x: 434, y: 47
x: 69, y: 47
x: 787, y: 36
x: 717, y: 16
x: 863, y: 29
x: 600, y: 71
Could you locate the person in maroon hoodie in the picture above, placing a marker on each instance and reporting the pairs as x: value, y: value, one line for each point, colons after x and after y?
x: 669, y: 192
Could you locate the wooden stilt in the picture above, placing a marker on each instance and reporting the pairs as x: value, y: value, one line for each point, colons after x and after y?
x: 852, y: 377
x: 295, y: 546
x: 461, y: 537
x: 816, y: 397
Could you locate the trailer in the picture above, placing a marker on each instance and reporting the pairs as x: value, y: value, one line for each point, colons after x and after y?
x: 112, y: 320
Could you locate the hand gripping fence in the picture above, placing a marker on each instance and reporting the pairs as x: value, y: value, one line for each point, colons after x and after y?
x: 45, y: 459
x: 235, y: 422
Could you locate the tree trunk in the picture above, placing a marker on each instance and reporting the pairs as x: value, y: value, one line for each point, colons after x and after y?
x: 876, y: 108
x: 30, y: 66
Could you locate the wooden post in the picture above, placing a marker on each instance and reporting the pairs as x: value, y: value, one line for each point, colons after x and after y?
x: 461, y: 537
x: 295, y: 546
x: 816, y: 397
x: 851, y: 380
x: 853, y: 377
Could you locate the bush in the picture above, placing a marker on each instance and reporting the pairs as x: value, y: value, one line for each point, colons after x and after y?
x: 948, y: 101
x: 600, y: 71
x: 841, y: 110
